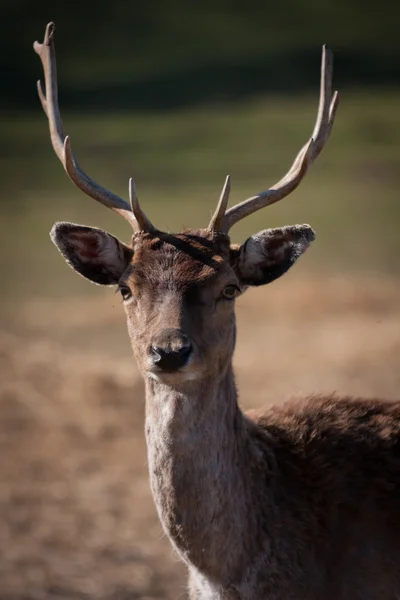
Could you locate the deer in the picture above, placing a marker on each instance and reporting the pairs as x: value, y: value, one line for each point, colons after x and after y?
x: 299, y: 501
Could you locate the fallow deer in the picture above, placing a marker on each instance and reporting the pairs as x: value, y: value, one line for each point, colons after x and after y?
x: 301, y: 502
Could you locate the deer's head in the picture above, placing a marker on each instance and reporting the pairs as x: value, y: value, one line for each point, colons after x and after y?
x: 179, y: 290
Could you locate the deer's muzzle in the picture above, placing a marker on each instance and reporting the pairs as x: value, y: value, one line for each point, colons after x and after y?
x: 170, y: 350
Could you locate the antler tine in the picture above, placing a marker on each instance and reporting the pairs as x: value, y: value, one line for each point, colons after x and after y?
x: 218, y: 216
x: 325, y: 118
x: 61, y: 143
x: 143, y: 221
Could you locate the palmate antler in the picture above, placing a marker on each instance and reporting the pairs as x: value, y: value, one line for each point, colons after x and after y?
x: 62, y: 145
x: 223, y: 220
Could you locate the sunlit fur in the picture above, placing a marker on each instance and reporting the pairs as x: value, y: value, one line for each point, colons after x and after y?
x: 299, y: 502
x: 177, y: 282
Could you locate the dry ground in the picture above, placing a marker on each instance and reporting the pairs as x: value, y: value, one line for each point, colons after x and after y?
x: 76, y: 515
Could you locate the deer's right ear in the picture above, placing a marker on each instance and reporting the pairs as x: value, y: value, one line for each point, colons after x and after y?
x: 92, y: 252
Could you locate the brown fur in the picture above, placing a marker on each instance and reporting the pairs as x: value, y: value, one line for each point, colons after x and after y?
x: 300, y: 502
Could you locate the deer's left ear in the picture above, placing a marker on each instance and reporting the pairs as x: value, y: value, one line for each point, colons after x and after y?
x: 268, y: 254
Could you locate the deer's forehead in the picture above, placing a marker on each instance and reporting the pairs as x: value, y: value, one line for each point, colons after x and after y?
x: 179, y: 262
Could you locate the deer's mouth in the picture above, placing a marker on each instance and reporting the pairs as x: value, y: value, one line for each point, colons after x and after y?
x: 186, y: 373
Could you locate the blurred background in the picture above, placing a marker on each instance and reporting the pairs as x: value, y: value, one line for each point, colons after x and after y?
x: 177, y: 95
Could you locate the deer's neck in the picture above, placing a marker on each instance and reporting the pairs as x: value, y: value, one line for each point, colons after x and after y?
x: 197, y: 447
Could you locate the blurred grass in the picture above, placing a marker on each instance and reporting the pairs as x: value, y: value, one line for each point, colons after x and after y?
x: 179, y: 161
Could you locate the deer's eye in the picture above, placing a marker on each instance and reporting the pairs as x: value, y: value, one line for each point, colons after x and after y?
x: 230, y: 292
x: 125, y: 292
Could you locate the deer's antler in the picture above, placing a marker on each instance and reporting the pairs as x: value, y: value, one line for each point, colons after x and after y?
x: 328, y: 104
x: 62, y: 145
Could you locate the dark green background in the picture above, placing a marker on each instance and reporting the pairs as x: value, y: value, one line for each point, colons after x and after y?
x: 159, y: 54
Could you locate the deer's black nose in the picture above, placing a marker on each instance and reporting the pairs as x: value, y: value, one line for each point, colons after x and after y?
x: 170, y: 350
